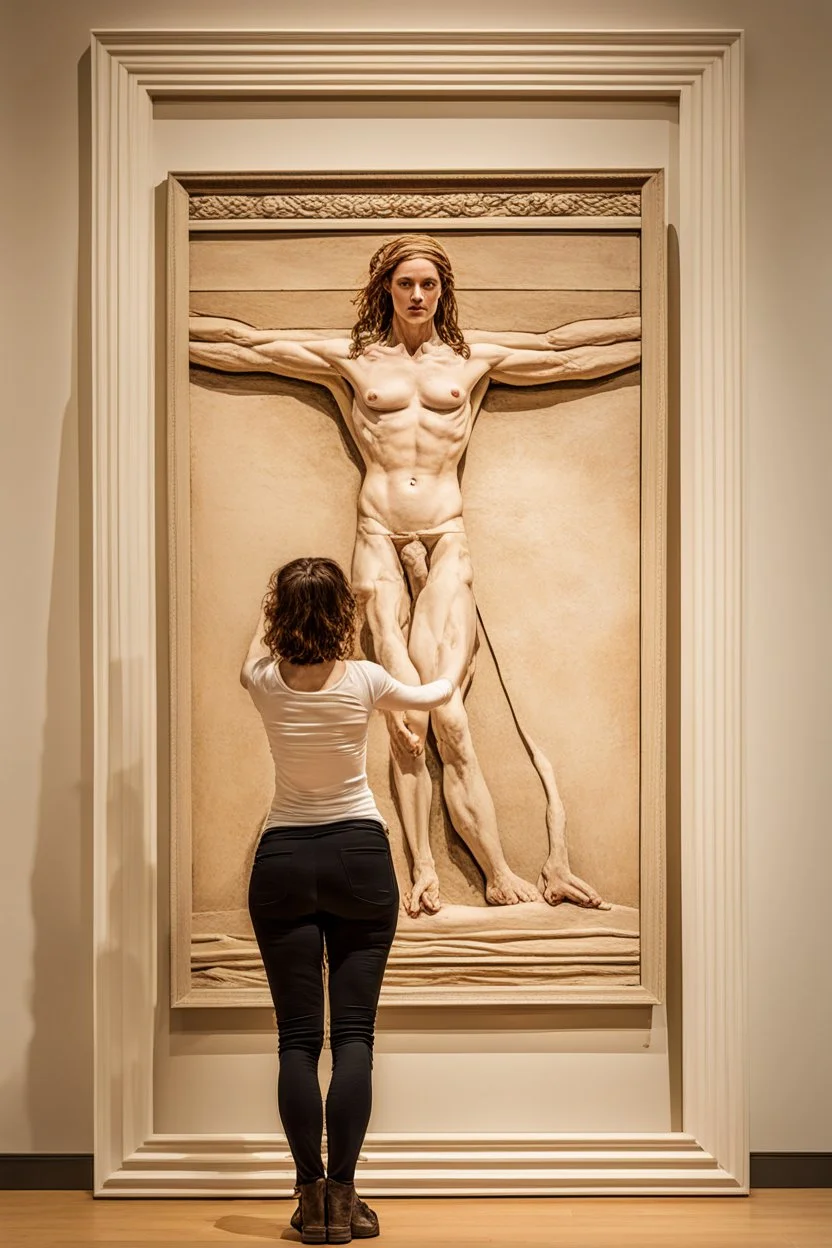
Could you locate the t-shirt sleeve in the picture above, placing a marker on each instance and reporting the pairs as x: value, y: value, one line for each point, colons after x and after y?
x: 389, y: 694
x: 258, y: 675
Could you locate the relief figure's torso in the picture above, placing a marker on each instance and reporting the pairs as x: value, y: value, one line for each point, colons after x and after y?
x: 411, y: 419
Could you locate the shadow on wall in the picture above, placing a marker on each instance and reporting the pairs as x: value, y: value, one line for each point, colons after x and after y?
x: 59, y: 1086
x: 59, y: 1078
x: 46, y: 1106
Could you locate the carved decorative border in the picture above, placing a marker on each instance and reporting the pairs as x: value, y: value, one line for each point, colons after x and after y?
x: 702, y: 70
x: 403, y: 206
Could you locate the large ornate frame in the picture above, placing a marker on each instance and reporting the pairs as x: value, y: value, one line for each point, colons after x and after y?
x: 703, y: 72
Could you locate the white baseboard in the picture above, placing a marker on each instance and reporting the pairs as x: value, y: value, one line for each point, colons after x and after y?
x: 261, y: 1166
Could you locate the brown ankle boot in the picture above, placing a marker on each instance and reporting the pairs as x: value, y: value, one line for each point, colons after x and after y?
x: 364, y: 1224
x: 312, y: 1211
x: 364, y: 1220
x: 340, y: 1199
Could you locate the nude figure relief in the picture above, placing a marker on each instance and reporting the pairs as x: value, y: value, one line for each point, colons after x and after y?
x: 409, y: 385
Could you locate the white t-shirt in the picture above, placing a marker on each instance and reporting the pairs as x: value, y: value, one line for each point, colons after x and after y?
x: 318, y: 739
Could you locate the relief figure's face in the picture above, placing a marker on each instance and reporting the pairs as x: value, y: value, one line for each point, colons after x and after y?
x: 415, y: 289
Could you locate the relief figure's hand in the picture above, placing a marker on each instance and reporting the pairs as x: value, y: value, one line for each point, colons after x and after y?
x: 424, y: 893
x: 402, y: 737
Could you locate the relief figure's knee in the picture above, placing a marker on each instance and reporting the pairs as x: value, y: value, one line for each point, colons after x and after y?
x: 453, y: 735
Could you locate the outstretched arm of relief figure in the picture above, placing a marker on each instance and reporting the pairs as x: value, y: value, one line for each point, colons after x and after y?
x: 226, y: 329
x: 574, y: 334
x: 233, y: 346
x: 236, y: 347
x: 522, y: 366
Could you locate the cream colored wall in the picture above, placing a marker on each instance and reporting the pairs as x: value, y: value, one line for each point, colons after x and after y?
x: 45, y: 1059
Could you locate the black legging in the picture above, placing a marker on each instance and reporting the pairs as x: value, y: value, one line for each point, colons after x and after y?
x: 331, y: 883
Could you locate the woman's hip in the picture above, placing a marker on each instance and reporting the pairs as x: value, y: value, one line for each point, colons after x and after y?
x: 345, y: 869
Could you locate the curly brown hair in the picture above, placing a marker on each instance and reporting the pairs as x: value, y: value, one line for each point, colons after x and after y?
x: 375, y: 304
x: 310, y: 612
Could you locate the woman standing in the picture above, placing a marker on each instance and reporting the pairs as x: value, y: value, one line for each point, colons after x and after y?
x: 323, y: 875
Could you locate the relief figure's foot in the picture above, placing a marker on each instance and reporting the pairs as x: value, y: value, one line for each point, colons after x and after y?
x: 504, y: 888
x: 558, y: 884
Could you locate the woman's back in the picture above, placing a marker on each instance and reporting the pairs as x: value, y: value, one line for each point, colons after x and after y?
x: 318, y: 739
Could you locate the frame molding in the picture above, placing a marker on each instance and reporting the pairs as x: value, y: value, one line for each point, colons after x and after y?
x: 702, y: 70
x: 513, y: 197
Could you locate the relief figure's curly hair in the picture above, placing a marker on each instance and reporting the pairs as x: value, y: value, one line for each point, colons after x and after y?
x: 310, y: 612
x: 375, y: 304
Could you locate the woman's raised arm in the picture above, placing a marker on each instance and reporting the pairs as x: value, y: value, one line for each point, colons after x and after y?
x: 401, y: 697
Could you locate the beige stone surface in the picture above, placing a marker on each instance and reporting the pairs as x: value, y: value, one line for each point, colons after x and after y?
x: 530, y: 945
x: 334, y: 309
x: 551, y: 492
x: 510, y: 260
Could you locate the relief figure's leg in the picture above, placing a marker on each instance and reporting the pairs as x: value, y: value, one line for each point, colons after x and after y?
x: 557, y: 881
x: 378, y: 584
x: 442, y: 642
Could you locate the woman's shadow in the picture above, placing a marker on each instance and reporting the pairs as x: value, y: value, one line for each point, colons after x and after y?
x: 262, y: 1228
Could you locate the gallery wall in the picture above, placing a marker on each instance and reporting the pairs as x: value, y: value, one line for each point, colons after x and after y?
x: 45, y: 884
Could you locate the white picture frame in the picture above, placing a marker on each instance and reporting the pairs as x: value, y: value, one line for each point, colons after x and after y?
x: 702, y: 71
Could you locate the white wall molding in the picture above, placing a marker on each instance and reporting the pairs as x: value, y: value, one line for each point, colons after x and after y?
x: 703, y: 71
x: 456, y: 1164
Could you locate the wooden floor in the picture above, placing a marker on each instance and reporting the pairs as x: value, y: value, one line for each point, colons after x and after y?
x: 766, y: 1219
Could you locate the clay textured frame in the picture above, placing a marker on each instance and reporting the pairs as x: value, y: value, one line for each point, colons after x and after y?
x: 482, y: 202
x: 702, y: 71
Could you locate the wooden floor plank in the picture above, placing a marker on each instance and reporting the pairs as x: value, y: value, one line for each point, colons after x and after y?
x: 782, y: 1218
